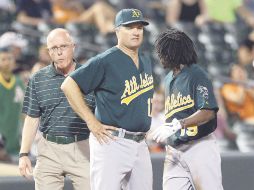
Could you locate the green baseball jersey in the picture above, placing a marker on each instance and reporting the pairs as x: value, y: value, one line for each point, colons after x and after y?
x: 189, y: 91
x: 123, y: 92
x: 11, y: 96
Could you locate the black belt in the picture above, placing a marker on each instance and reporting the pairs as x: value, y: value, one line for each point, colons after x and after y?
x: 64, y: 139
x: 127, y: 135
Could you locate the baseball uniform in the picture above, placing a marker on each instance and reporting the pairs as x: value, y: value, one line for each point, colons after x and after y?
x: 123, y: 95
x: 192, y: 159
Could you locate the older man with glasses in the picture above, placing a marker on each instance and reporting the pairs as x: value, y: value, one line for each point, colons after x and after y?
x: 64, y: 149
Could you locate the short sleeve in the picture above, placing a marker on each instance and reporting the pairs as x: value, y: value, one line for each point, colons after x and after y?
x: 204, y: 94
x: 30, y: 104
x: 89, y: 76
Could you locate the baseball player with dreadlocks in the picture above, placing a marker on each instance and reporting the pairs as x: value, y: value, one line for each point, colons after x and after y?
x: 192, y: 158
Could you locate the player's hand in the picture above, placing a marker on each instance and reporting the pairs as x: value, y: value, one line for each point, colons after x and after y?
x: 102, y: 132
x: 161, y: 133
x: 25, y: 167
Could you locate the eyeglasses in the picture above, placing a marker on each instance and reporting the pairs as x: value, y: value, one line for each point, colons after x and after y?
x: 55, y: 49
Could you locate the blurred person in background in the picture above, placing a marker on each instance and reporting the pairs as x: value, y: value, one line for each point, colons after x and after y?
x: 239, y: 96
x: 225, y: 11
x: 33, y: 12
x: 101, y: 14
x: 245, y: 54
x: 65, y: 11
x: 191, y: 11
x: 43, y: 61
x: 16, y: 44
x: 226, y: 137
x: 11, y: 96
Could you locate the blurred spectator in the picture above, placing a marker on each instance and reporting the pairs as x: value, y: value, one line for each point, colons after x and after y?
x: 16, y: 44
x: 239, y: 101
x: 238, y: 96
x: 11, y: 96
x: 225, y: 11
x: 245, y: 55
x: 33, y: 12
x: 101, y: 14
x: 224, y: 133
x: 193, y: 11
x: 44, y: 59
x: 65, y: 10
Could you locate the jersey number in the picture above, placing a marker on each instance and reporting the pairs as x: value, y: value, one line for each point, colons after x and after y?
x: 149, y: 106
x: 190, y: 131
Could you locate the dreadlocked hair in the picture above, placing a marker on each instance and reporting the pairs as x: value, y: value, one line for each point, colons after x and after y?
x: 174, y: 48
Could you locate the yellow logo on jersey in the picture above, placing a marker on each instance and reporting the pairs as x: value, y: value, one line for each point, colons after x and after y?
x: 177, y: 103
x: 136, y: 13
x: 133, y: 89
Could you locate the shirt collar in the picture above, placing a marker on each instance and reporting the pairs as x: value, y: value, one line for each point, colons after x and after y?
x: 52, y: 72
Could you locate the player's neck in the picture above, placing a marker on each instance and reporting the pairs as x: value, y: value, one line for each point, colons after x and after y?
x: 176, y: 71
x: 131, y: 52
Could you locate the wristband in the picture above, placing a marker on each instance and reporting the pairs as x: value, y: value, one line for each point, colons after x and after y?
x: 182, y: 122
x: 23, y: 154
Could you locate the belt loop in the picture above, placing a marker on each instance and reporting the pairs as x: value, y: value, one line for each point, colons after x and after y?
x: 76, y: 138
x: 46, y: 136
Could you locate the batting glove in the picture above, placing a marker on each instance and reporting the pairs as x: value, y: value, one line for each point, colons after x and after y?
x: 161, y: 133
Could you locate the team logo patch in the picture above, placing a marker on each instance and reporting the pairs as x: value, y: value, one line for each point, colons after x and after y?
x: 203, y: 91
x: 136, y: 13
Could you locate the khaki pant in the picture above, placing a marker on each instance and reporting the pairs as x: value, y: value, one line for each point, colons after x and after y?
x: 55, y: 161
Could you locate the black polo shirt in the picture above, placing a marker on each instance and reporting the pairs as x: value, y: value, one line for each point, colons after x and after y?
x: 46, y: 100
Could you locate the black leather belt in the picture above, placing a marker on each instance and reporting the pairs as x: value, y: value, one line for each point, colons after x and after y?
x: 127, y: 135
x: 64, y: 139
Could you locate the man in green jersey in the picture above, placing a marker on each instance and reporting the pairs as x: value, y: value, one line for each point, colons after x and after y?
x: 122, y: 81
x: 11, y: 98
x: 192, y: 158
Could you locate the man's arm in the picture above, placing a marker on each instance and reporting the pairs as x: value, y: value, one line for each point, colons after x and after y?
x: 28, y: 135
x: 23, y: 18
x: 78, y: 104
x: 198, y: 118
